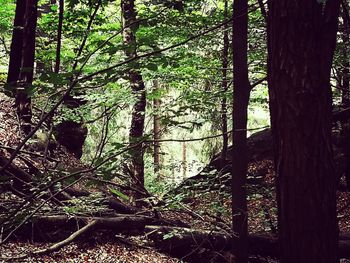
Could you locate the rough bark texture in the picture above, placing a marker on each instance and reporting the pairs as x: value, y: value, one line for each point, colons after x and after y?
x: 240, y: 106
x: 138, y: 87
x: 20, y: 73
x: 16, y: 44
x: 302, y: 37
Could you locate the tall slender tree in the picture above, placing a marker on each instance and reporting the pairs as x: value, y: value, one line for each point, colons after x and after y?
x: 138, y: 88
x: 301, y: 42
x: 224, y: 88
x: 156, y: 130
x: 241, y: 92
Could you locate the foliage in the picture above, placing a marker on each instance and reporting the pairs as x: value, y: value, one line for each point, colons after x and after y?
x: 189, y: 77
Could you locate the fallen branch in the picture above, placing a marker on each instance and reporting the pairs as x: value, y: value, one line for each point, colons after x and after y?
x: 56, y: 246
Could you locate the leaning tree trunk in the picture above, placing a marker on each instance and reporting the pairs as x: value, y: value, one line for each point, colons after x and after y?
x: 301, y: 42
x: 138, y: 88
x: 240, y: 111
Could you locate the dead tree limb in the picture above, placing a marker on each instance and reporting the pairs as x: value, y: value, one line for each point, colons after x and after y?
x: 57, y: 246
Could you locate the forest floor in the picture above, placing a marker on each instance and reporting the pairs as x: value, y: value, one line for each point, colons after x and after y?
x: 205, y: 206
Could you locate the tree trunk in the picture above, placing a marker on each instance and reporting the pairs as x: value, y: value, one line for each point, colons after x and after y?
x: 301, y: 42
x: 184, y: 160
x: 20, y: 74
x: 240, y: 114
x: 138, y: 88
x: 156, y: 130
x: 16, y: 45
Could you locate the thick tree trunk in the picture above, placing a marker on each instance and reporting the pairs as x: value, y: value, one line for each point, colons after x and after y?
x: 302, y: 37
x: 23, y: 100
x: 240, y: 111
x: 138, y: 88
x: 20, y: 72
x: 16, y: 44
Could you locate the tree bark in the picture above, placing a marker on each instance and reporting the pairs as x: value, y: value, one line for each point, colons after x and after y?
x: 20, y: 72
x: 184, y: 160
x: 138, y: 88
x: 156, y: 130
x: 23, y: 100
x: 240, y: 115
x: 16, y: 44
x: 301, y: 42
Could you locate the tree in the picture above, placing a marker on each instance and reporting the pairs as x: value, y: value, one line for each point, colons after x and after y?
x: 301, y: 42
x: 138, y: 88
x: 156, y: 130
x: 241, y: 93
x: 20, y: 72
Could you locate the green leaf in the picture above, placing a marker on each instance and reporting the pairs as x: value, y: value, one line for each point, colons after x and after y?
x: 54, y: 8
x: 118, y: 194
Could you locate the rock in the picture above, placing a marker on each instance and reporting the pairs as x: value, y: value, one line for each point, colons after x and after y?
x: 71, y: 135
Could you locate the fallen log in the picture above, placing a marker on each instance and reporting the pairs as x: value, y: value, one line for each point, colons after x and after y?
x: 127, y: 224
x: 193, y: 244
x: 50, y: 228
